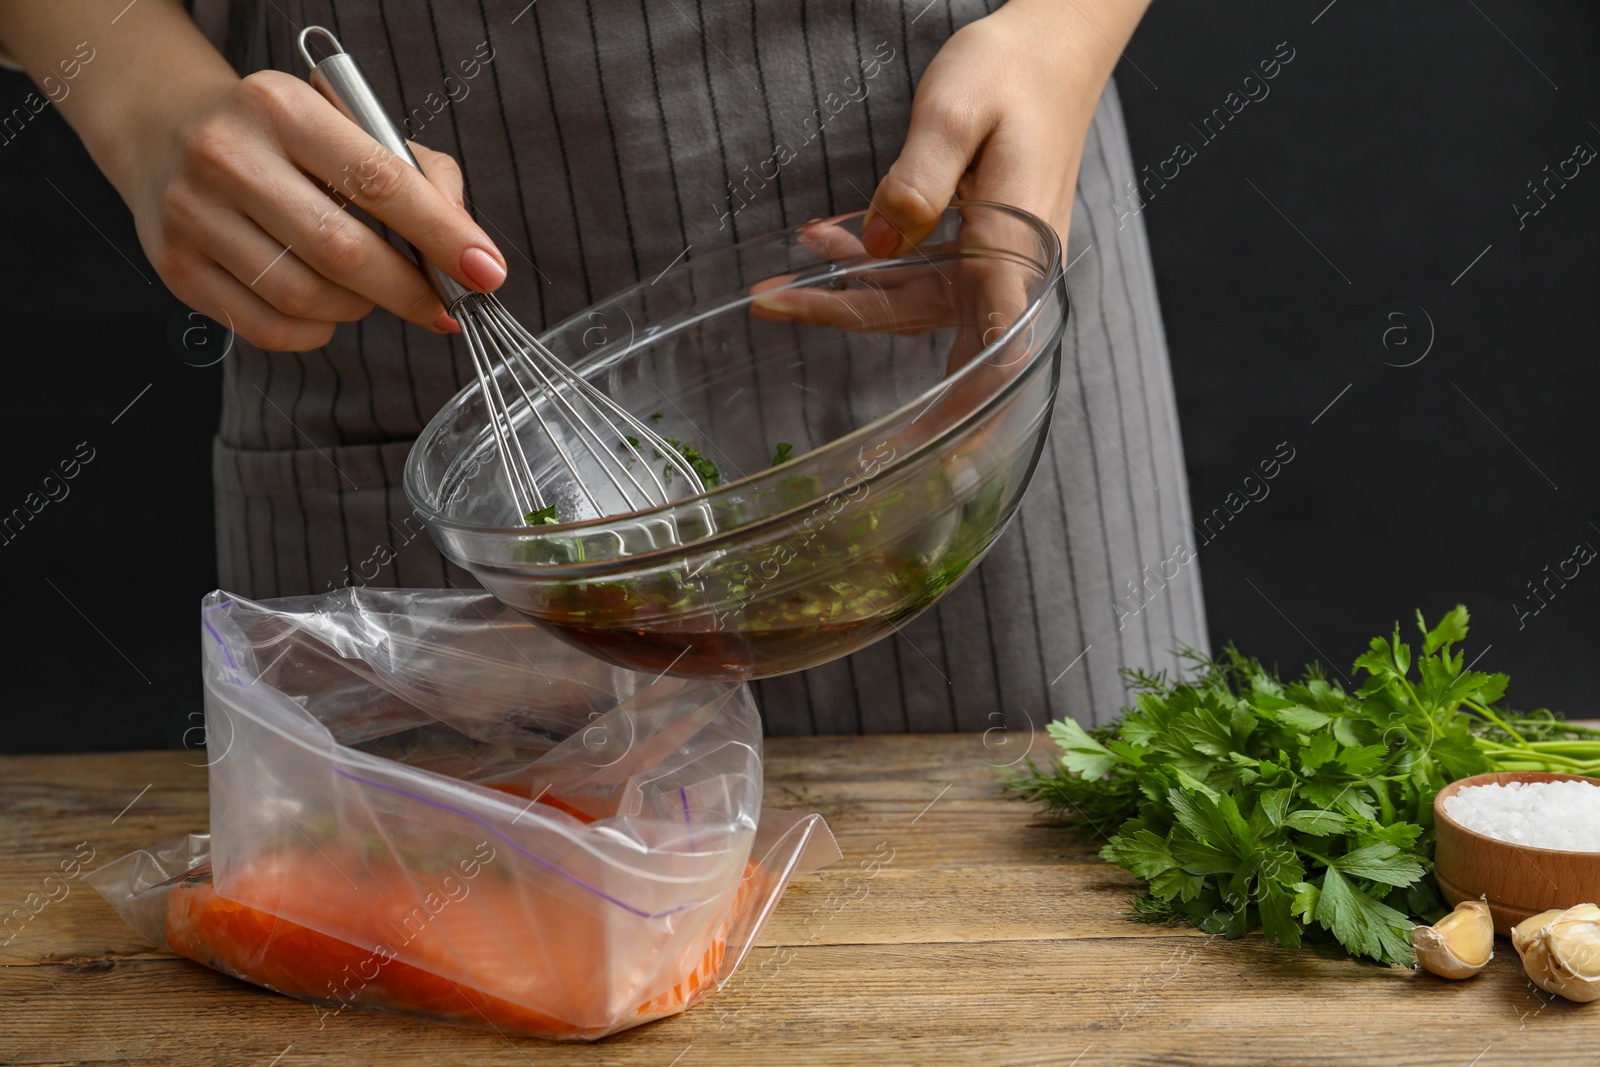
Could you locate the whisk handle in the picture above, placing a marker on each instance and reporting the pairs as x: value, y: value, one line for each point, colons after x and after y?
x: 339, y: 78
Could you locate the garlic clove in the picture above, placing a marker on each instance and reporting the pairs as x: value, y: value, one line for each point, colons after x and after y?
x: 1526, y: 932
x: 1561, y: 951
x: 1588, y: 913
x: 1459, y: 945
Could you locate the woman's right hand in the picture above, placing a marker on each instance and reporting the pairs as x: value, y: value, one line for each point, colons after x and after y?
x: 233, y: 206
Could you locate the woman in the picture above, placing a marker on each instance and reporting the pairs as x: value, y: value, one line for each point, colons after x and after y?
x: 598, y: 141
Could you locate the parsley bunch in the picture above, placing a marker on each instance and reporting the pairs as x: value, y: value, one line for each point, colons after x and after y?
x: 1300, y: 808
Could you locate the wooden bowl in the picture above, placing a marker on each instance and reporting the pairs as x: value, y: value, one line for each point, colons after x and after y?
x: 1519, y: 880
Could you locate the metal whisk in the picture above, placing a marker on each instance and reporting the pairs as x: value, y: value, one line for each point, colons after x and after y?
x: 511, y: 362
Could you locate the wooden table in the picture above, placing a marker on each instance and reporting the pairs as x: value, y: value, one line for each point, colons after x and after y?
x: 987, y: 936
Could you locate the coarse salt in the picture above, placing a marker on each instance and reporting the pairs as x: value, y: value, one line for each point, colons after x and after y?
x: 1558, y: 815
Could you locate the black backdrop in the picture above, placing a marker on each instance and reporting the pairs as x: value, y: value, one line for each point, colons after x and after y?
x: 1354, y: 238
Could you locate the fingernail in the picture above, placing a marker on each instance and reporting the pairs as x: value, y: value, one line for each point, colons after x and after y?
x: 445, y: 324
x: 880, y: 240
x: 777, y: 303
x: 482, y: 269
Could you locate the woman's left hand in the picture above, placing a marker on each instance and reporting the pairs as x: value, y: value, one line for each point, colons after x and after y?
x: 1001, y: 114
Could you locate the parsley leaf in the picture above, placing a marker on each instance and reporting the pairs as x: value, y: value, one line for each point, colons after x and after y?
x: 1363, y: 925
x: 1381, y: 862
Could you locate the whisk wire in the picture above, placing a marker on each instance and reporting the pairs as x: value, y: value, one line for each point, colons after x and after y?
x: 502, y: 348
x: 524, y: 490
x: 511, y: 355
x: 538, y: 416
x: 605, y: 404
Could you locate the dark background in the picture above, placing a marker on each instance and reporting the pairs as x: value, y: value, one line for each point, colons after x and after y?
x: 1335, y: 214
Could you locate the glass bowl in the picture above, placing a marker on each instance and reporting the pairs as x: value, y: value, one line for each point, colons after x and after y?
x: 870, y: 426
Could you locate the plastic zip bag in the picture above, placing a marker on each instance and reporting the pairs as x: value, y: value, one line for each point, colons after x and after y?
x: 423, y: 804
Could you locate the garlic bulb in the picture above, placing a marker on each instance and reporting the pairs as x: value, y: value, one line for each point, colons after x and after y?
x: 1459, y: 945
x: 1560, y: 950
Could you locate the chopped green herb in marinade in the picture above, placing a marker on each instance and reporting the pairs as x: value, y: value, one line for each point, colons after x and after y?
x: 707, y: 471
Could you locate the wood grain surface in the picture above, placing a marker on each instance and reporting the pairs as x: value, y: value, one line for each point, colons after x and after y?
x: 987, y: 936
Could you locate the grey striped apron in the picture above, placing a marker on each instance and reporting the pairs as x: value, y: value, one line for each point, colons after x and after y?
x: 599, y: 139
